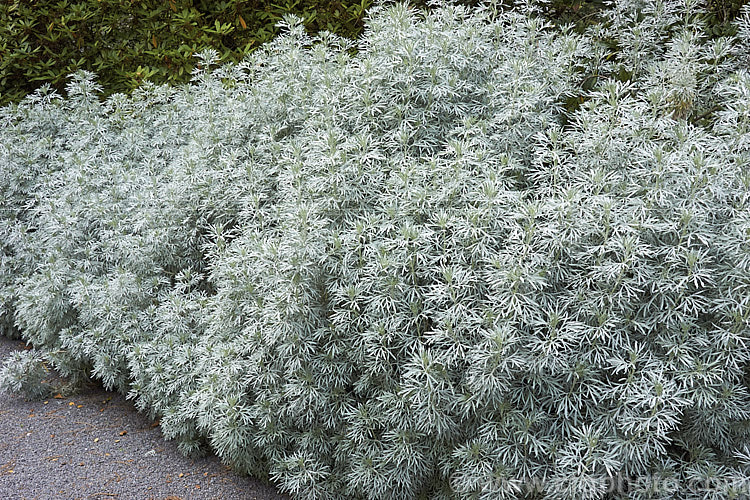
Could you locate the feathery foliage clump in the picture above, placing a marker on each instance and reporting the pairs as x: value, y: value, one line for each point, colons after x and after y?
x: 413, y: 271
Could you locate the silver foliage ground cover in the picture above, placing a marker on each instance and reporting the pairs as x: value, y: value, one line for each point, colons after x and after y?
x: 410, y: 271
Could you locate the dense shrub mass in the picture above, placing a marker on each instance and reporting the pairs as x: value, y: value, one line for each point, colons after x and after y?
x: 409, y: 272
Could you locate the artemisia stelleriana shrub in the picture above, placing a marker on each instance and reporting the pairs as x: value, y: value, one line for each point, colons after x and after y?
x: 414, y: 270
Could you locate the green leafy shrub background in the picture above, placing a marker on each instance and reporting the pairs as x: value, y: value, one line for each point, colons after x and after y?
x: 410, y: 269
x: 128, y: 41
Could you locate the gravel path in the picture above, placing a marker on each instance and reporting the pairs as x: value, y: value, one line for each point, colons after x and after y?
x: 95, y: 445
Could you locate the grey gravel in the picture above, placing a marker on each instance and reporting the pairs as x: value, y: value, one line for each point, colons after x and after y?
x: 95, y: 445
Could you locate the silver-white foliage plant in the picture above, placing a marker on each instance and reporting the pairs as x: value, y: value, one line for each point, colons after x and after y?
x: 410, y: 271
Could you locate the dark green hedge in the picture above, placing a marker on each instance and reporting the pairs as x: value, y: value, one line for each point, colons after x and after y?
x: 127, y: 41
